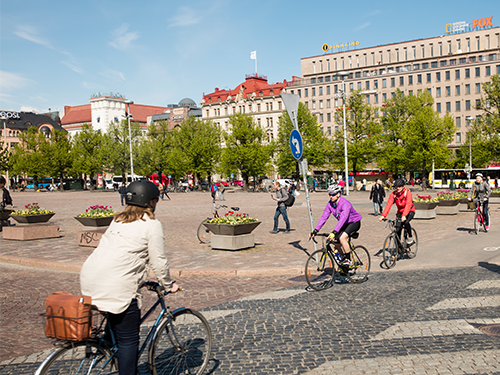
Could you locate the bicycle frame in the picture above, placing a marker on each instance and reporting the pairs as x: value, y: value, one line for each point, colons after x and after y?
x: 393, y: 224
x: 480, y: 215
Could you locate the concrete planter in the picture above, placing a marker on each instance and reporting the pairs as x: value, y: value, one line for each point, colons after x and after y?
x: 232, y: 230
x: 32, y: 219
x: 95, y: 221
x: 448, y: 207
x: 462, y: 205
x: 425, y: 210
x: 232, y: 237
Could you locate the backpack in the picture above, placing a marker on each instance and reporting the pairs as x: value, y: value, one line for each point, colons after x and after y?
x: 290, y: 200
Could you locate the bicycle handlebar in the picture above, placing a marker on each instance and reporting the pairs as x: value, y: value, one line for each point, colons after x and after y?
x: 323, y: 235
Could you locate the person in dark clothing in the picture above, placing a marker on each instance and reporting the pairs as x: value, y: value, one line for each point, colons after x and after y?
x: 281, y: 197
x: 122, y: 191
x: 377, y: 195
x: 6, y: 198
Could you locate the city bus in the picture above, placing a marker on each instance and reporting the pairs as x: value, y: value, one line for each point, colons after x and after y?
x: 460, y: 178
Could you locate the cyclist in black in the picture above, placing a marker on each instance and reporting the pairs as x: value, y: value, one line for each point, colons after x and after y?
x: 482, y: 190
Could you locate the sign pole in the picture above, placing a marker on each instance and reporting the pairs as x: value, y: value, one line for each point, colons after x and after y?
x: 291, y: 102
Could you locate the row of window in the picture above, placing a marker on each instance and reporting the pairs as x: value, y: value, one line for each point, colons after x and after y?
x: 10, y: 133
x: 268, y: 107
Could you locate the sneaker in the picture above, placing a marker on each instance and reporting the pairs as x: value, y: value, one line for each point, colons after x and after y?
x: 273, y: 231
x: 486, y: 228
x: 410, y: 241
x: 346, y: 262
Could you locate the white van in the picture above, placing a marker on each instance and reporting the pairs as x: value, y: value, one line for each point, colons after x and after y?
x: 108, y: 184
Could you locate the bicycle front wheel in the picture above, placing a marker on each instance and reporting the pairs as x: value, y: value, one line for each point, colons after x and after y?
x: 476, y: 222
x: 390, y: 252
x: 81, y: 357
x: 182, y: 344
x: 204, y: 235
x: 411, y: 251
x: 361, y: 264
x: 320, y: 269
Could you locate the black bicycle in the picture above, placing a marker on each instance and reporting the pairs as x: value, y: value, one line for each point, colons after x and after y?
x: 394, y: 248
x: 322, y: 265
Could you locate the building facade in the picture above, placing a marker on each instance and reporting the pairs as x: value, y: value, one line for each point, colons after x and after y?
x: 255, y: 96
x: 176, y: 113
x: 105, y: 109
x: 451, y: 67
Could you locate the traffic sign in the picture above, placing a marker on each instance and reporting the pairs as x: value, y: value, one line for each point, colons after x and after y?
x: 296, y: 144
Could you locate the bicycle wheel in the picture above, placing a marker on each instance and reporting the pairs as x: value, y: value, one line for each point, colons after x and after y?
x: 476, y: 222
x: 411, y: 251
x: 81, y: 357
x: 390, y: 252
x: 320, y: 269
x: 204, y: 235
x: 182, y: 344
x: 361, y: 264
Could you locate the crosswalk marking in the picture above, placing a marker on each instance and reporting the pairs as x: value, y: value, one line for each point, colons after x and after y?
x: 457, y: 363
x: 466, y: 303
x: 278, y: 294
x: 432, y: 328
x: 485, y: 284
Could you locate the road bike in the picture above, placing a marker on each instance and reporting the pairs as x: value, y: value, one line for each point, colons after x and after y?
x: 394, y: 248
x: 204, y: 235
x: 322, y: 265
x: 479, y: 219
x: 179, y: 342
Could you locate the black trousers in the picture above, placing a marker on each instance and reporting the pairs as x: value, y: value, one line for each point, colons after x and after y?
x: 406, y: 225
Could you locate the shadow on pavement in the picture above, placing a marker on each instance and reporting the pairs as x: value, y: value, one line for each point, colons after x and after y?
x: 490, y: 266
x: 297, y: 245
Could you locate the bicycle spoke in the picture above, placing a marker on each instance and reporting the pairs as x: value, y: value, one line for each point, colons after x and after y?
x: 390, y: 251
x: 360, y: 268
x: 319, y: 270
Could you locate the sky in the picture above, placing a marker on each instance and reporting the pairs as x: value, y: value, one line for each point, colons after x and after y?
x: 57, y: 53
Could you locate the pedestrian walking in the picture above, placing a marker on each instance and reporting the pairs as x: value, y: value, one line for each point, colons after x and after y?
x: 281, y: 197
x: 377, y: 195
x: 6, y: 198
x: 342, y: 186
x: 222, y: 189
x: 496, y: 182
x: 122, y: 191
x: 364, y: 184
x: 114, y: 273
x: 213, y: 191
x: 162, y: 190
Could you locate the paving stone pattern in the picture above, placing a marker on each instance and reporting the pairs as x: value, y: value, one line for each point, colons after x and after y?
x: 298, y: 331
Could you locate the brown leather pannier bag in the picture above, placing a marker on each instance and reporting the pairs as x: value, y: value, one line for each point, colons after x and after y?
x: 69, y: 317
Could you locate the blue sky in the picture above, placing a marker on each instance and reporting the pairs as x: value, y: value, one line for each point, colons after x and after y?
x: 57, y: 53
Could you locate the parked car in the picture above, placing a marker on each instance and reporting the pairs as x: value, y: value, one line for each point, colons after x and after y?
x: 224, y: 183
x: 238, y: 183
x: 108, y: 184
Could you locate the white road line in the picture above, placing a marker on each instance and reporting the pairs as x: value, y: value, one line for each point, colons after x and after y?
x: 485, y: 284
x: 432, y: 328
x: 457, y: 363
x: 279, y: 294
x: 466, y: 303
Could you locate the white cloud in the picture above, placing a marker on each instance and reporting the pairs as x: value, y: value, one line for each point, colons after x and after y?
x: 122, y: 39
x: 185, y: 17
x: 91, y: 86
x: 25, y: 108
x: 11, y: 81
x: 73, y: 66
x: 362, y: 26
x: 114, y: 75
x: 33, y: 35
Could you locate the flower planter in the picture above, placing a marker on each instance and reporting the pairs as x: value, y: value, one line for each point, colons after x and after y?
x: 425, y: 210
x: 232, y: 230
x: 95, y: 221
x: 462, y: 204
x: 31, y: 219
x: 448, y: 207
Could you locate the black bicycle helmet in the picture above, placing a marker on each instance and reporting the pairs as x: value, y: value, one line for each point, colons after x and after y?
x: 399, y: 182
x: 140, y: 193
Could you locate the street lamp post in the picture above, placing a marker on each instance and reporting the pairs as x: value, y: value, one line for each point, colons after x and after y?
x: 128, y: 102
x: 7, y: 183
x: 469, y: 119
x: 343, y: 75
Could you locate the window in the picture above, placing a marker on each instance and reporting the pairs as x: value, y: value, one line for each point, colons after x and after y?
x: 329, y: 130
x: 498, y: 69
x: 478, y: 88
x: 321, y: 90
x: 375, y: 83
x: 327, y: 90
x: 313, y: 80
x: 438, y: 76
x: 359, y: 85
x: 444, y: 62
x: 384, y: 83
x: 448, y: 106
x: 306, y: 92
x: 367, y: 99
x: 419, y: 78
x: 447, y: 75
x: 299, y: 91
x: 457, y: 106
x: 335, y: 89
x: 313, y: 104
x: 321, y: 104
x: 438, y: 92
x: 458, y: 135
x: 434, y: 64
x: 357, y: 75
x: 376, y: 98
x: 457, y: 90
x: 467, y: 89
x: 367, y: 85
x: 428, y: 77
x: 393, y: 82
x: 488, y: 70
x: 321, y: 117
x: 457, y: 74
x: 438, y: 107
x: 410, y: 80
x: 384, y: 96
x: 467, y: 105
x: 313, y: 91
x: 328, y: 117
x: 472, y: 59
x: 351, y: 86
x: 328, y: 103
x: 448, y: 90
x: 401, y: 81
x: 478, y: 73
x: 458, y: 121
x: 478, y: 103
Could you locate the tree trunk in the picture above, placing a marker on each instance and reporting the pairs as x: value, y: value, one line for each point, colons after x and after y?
x: 424, y: 177
x: 60, y: 187
x: 91, y: 182
x: 245, y: 181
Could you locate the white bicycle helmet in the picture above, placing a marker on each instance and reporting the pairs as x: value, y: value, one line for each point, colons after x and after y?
x: 334, y: 189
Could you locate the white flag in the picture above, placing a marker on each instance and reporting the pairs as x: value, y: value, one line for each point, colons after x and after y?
x: 253, y: 55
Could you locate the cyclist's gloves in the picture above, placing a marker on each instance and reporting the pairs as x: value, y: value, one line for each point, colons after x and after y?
x: 314, y: 232
x: 334, y: 236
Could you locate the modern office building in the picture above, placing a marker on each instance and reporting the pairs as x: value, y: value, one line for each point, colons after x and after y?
x: 255, y: 96
x: 451, y: 67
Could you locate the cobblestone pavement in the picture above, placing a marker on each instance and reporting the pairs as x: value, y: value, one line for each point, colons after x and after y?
x: 411, y: 322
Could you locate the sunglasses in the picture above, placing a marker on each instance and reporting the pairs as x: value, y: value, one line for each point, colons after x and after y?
x: 332, y: 194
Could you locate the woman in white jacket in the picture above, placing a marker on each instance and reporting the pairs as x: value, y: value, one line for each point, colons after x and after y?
x: 114, y: 272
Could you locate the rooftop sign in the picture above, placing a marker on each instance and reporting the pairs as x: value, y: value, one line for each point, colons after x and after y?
x: 326, y: 47
x: 463, y: 26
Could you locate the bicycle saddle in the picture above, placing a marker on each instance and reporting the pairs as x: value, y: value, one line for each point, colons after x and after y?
x: 235, y: 208
x: 354, y: 235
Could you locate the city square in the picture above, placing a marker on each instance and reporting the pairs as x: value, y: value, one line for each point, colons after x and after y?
x: 414, y: 317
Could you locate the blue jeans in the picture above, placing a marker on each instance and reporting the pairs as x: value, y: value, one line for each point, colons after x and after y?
x: 126, y: 327
x: 281, y: 211
x: 377, y: 207
x: 122, y: 197
x: 221, y: 195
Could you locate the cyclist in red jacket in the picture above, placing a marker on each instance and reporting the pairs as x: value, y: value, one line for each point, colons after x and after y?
x: 406, y: 209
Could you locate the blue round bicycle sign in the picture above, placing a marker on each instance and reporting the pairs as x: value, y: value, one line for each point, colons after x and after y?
x: 296, y: 144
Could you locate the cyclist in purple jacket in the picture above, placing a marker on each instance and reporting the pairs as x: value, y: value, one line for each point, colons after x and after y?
x: 349, y: 221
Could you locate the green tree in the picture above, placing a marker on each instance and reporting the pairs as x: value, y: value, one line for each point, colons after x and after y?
x: 116, y: 147
x: 316, y: 147
x: 59, y: 156
x: 5, y: 160
x: 154, y: 150
x: 29, y: 156
x: 86, y: 152
x: 363, y: 134
x: 245, y: 151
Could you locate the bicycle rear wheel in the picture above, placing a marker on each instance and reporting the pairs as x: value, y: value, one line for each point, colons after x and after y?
x: 411, y: 251
x: 476, y: 222
x: 81, y: 357
x: 390, y: 252
x: 204, y: 235
x: 182, y: 344
x: 320, y: 269
x: 361, y: 264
